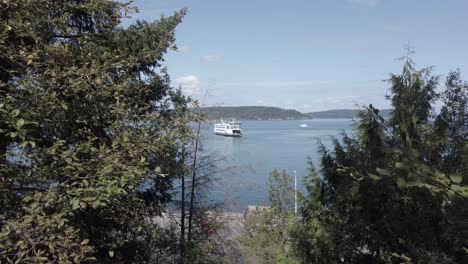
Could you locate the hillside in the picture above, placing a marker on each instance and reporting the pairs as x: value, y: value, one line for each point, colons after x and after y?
x: 253, y: 113
x: 342, y: 113
x: 276, y: 113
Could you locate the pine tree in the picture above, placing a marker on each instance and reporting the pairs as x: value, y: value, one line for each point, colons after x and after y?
x: 393, y: 192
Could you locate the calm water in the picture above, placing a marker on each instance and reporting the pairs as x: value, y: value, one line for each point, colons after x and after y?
x: 266, y: 145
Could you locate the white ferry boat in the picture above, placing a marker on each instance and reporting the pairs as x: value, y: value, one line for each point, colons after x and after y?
x: 230, y: 129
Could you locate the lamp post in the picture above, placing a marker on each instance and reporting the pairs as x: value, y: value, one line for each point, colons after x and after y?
x: 295, y: 193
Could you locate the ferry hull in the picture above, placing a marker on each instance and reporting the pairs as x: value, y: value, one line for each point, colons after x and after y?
x: 228, y: 135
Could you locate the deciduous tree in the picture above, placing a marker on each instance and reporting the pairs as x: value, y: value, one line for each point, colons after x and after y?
x: 89, y: 131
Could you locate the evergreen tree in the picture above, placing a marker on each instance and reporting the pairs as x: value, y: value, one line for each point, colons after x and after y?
x: 393, y: 192
x: 452, y: 126
x: 89, y: 131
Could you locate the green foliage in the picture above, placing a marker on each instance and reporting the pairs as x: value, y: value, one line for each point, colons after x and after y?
x: 452, y: 127
x: 89, y: 131
x: 281, y: 191
x: 395, y: 191
x: 266, y: 236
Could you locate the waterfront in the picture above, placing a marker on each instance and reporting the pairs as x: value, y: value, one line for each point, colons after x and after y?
x: 265, y: 145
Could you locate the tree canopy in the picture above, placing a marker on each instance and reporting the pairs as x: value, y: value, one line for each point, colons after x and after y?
x: 395, y: 191
x: 89, y: 131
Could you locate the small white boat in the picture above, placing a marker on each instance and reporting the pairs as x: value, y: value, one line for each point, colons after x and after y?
x: 304, y: 125
x: 230, y: 129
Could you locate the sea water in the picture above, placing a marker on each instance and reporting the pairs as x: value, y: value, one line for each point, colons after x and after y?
x: 245, y: 163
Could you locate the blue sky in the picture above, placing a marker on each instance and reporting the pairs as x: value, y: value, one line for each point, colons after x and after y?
x: 307, y: 55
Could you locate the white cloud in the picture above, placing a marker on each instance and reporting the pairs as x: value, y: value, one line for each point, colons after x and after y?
x: 262, y: 102
x: 190, y: 84
x: 366, y: 3
x: 306, y: 95
x: 185, y: 48
x: 211, y: 58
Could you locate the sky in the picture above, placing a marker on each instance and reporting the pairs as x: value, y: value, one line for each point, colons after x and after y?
x: 308, y: 55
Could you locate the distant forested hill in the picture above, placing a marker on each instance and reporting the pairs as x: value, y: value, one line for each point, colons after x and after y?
x: 275, y: 113
x: 342, y: 113
x: 252, y: 113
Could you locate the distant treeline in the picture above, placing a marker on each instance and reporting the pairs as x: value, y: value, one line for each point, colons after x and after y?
x: 343, y: 113
x: 252, y: 113
x: 276, y: 113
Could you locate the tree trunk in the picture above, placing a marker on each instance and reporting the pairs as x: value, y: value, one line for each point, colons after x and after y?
x: 182, y: 214
x: 192, y: 195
